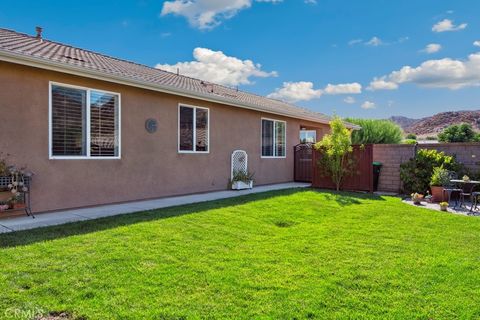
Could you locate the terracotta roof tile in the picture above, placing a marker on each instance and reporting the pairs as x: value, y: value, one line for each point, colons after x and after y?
x: 67, y: 56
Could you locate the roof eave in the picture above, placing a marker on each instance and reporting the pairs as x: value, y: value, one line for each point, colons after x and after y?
x: 37, y: 62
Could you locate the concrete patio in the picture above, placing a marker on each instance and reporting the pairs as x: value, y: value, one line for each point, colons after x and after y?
x: 465, y: 211
x: 73, y: 215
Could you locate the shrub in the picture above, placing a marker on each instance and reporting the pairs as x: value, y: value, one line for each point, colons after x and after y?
x: 376, y: 131
x: 411, y: 136
x: 458, y: 133
x: 440, y: 177
x: 336, y: 149
x: 416, y: 173
x: 409, y: 141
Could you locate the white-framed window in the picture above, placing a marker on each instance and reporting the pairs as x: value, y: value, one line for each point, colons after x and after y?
x: 84, y: 123
x: 308, y: 136
x: 274, y: 141
x: 193, y: 129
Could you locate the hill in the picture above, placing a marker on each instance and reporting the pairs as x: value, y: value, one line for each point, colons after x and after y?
x: 431, y: 126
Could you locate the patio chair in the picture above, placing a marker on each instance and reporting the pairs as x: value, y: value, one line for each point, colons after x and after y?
x: 475, y: 198
x: 451, y: 188
x: 467, y: 193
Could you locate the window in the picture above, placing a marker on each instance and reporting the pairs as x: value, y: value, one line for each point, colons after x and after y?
x: 273, y: 138
x: 308, y: 136
x: 84, y: 123
x: 193, y: 129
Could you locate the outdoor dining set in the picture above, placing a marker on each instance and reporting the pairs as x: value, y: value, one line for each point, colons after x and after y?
x: 462, y: 191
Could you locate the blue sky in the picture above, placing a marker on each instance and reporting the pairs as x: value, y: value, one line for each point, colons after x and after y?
x: 290, y: 49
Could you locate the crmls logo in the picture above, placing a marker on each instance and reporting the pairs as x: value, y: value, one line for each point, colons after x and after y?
x: 23, y: 313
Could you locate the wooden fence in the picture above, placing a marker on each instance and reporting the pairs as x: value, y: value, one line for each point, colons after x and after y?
x: 307, y: 170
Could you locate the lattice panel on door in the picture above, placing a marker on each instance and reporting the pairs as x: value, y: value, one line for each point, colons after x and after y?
x: 239, y: 162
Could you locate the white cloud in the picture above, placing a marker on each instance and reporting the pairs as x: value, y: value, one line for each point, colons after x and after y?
x: 443, y: 73
x: 382, y: 84
x: 432, y: 48
x: 447, y: 25
x: 349, y: 100
x: 216, y: 67
x: 354, y: 42
x: 296, y: 91
x: 345, y: 88
x: 368, y: 105
x: 476, y: 43
x: 374, y: 42
x: 310, y: 1
x: 207, y: 14
x: 304, y: 91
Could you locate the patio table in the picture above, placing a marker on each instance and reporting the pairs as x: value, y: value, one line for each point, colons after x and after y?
x: 464, y: 186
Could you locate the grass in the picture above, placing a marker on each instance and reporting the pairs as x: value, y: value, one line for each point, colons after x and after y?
x: 286, y: 254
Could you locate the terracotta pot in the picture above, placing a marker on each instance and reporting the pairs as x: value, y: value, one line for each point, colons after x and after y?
x: 437, y: 194
x: 18, y: 205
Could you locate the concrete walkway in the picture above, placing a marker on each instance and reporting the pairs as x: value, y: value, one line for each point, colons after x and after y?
x: 66, y: 216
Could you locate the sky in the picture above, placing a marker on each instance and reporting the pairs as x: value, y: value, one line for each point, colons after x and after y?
x: 366, y: 59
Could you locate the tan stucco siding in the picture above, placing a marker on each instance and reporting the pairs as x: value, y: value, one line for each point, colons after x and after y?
x: 150, y: 165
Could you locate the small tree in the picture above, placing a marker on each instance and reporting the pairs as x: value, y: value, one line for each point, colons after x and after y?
x: 336, y: 148
x: 458, y: 133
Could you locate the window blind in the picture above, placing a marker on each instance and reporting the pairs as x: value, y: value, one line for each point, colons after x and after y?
x: 103, y: 124
x: 68, y: 121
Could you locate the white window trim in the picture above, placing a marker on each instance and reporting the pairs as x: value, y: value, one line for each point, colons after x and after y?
x: 274, y: 139
x: 309, y: 131
x: 88, y: 156
x: 194, y: 128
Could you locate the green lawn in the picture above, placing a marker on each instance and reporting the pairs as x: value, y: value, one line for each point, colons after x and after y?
x: 284, y: 255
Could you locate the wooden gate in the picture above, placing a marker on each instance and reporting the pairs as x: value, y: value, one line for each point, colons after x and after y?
x: 303, y: 162
x: 362, y: 178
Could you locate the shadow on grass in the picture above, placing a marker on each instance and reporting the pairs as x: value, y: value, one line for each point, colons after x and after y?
x: 344, y: 198
x: 27, y: 237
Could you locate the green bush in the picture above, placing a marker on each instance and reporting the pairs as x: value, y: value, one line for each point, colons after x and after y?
x: 440, y: 177
x: 409, y: 141
x: 416, y: 173
x: 458, y: 133
x: 376, y: 131
x: 411, y: 136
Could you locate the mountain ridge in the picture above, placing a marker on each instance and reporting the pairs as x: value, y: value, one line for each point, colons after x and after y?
x: 433, y: 125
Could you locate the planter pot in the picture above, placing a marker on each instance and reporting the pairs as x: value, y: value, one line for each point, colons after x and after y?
x: 437, y: 194
x: 241, y: 185
x: 443, y: 208
x: 18, y: 206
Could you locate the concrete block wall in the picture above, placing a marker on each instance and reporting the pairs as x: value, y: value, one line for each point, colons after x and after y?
x: 392, y: 155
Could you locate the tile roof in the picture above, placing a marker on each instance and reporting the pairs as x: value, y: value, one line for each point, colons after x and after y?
x: 19, y: 46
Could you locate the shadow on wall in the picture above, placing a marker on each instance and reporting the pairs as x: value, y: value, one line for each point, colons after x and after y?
x: 83, y: 227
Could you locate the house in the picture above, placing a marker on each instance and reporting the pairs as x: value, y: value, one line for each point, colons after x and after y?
x: 96, y: 129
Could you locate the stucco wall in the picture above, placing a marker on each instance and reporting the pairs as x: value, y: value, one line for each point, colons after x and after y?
x: 392, y: 155
x: 150, y: 165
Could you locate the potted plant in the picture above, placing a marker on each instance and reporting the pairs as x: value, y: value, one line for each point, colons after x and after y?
x: 17, y: 202
x: 440, y: 178
x: 443, y: 206
x: 417, y: 198
x: 242, y: 180
x: 4, y: 206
